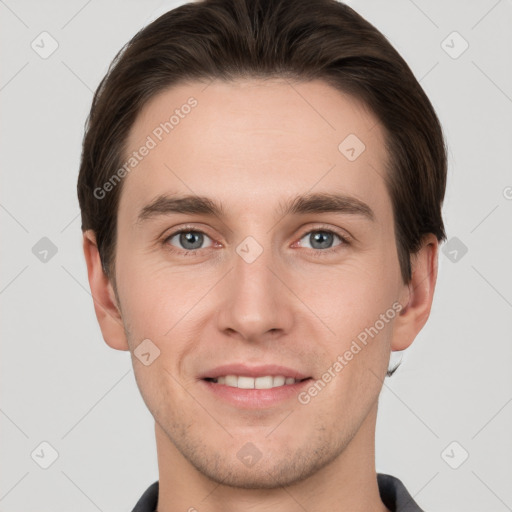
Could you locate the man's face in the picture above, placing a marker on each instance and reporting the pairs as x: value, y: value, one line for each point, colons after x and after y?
x: 293, y: 294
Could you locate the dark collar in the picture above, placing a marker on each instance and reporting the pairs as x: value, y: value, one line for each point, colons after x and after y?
x: 392, y: 493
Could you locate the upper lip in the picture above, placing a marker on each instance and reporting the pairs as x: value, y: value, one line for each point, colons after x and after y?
x: 252, y: 371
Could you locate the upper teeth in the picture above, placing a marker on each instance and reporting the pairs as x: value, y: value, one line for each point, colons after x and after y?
x: 267, y: 382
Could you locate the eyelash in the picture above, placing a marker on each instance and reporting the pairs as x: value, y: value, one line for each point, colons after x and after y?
x: 316, y: 252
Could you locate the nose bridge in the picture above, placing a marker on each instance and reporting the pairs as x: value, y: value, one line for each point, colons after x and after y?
x: 255, y: 301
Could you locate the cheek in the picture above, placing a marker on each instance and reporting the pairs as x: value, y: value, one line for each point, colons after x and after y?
x: 357, y: 365
x: 147, y: 305
x: 154, y: 296
x: 166, y: 306
x: 350, y: 298
x: 356, y: 304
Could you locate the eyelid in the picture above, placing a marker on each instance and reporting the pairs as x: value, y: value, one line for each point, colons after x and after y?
x: 345, y: 238
x: 186, y: 229
x: 343, y: 235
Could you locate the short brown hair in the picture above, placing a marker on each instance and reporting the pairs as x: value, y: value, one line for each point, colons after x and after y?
x: 294, y: 39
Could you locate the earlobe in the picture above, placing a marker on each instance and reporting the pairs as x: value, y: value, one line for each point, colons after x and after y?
x: 105, y: 304
x: 420, y: 293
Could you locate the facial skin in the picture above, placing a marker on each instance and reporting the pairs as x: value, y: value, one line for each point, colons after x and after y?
x: 253, y: 145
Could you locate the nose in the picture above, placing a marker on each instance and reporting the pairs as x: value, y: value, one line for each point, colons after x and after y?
x: 256, y: 303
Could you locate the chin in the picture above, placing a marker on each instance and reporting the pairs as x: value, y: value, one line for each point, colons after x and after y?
x: 250, y: 468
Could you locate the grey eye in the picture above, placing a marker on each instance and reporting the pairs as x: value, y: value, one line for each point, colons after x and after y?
x: 319, y: 239
x: 188, y: 240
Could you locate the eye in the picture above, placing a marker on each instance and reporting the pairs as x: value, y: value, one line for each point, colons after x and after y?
x: 322, y: 239
x: 188, y: 239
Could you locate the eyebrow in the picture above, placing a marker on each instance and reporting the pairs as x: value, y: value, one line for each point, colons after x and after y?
x: 299, y: 205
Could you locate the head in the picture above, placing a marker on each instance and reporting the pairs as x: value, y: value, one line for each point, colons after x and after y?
x: 293, y: 123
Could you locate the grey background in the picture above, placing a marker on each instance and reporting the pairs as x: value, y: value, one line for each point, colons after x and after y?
x: 60, y: 382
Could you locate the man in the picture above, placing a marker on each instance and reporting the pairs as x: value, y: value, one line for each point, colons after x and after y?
x: 261, y: 188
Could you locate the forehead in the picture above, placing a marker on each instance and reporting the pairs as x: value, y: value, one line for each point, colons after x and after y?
x: 249, y: 142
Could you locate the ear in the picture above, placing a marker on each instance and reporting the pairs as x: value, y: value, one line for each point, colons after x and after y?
x: 416, y: 297
x: 105, y: 303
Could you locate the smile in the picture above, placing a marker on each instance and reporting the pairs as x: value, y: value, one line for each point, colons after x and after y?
x: 264, y: 382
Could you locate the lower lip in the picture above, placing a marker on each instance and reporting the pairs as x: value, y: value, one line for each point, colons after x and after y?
x: 255, y: 398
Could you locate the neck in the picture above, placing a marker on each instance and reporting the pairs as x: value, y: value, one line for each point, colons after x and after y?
x: 348, y: 483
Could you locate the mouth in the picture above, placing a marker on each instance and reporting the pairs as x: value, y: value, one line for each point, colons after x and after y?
x: 254, y: 387
x: 247, y: 382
